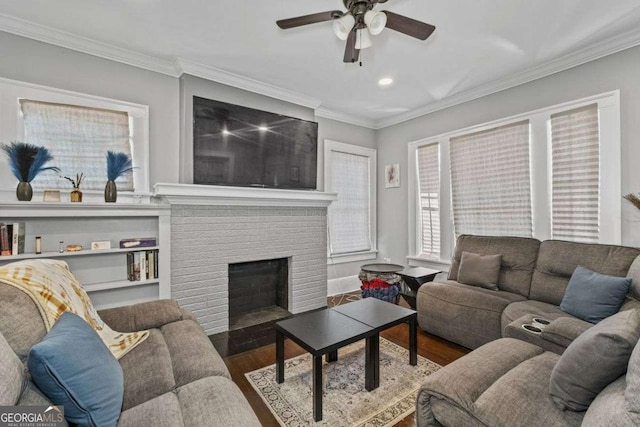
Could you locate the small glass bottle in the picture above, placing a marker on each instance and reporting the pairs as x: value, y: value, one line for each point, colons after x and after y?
x: 38, y: 245
x: 61, y: 248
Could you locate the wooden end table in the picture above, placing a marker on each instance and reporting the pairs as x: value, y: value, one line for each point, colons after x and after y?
x: 412, y: 279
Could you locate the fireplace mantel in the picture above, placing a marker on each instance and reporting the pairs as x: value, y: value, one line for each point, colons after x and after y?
x: 191, y: 194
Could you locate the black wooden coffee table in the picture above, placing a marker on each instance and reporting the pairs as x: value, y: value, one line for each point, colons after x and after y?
x: 323, y: 332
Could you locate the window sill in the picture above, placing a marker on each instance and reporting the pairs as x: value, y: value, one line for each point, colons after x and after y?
x: 351, y: 257
x: 422, y: 261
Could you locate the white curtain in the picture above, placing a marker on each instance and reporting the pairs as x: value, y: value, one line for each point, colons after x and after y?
x: 428, y: 158
x: 78, y: 138
x: 576, y: 175
x: 349, y: 215
x: 491, y: 182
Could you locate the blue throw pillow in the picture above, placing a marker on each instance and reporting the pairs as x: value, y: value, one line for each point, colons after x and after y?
x: 75, y: 369
x: 593, y: 296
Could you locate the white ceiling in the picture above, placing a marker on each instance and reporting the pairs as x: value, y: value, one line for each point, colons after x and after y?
x: 477, y: 43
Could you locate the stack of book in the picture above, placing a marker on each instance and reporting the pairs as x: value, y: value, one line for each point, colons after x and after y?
x: 12, y: 238
x: 141, y: 265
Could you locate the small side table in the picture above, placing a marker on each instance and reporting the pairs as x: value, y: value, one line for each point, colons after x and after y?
x: 412, y: 279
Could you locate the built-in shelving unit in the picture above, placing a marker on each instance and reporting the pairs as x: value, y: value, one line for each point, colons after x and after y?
x: 103, y: 273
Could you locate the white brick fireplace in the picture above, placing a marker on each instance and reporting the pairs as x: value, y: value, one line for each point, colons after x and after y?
x: 212, y: 227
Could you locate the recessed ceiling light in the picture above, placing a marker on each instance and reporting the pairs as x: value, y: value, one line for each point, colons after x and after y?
x: 263, y: 128
x: 225, y: 132
x: 385, y: 81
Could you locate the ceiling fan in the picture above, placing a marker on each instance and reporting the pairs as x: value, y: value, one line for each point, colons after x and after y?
x: 359, y: 22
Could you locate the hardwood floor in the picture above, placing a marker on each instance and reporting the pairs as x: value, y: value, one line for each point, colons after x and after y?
x: 433, y: 348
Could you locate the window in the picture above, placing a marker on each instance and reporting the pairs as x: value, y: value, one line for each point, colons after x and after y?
x: 350, y: 172
x: 575, y: 158
x: 428, y: 158
x: 79, y: 129
x: 78, y: 138
x: 550, y: 173
x: 490, y: 181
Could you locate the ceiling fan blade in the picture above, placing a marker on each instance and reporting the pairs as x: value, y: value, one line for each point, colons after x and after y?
x: 351, y: 54
x: 309, y: 19
x: 409, y: 26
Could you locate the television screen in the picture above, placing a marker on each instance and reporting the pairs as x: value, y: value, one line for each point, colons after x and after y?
x: 234, y: 145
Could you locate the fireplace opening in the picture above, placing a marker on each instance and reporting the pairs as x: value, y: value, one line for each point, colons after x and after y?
x: 258, y: 292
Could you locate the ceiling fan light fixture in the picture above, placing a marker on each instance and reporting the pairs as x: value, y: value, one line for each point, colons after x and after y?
x: 363, y: 40
x: 343, y: 26
x: 376, y: 21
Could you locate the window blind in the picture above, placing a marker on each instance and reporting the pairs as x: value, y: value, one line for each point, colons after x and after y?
x: 428, y: 158
x: 491, y: 181
x: 349, y: 215
x: 576, y: 175
x: 78, y: 138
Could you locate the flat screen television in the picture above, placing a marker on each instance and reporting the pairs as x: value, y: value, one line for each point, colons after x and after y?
x: 240, y: 146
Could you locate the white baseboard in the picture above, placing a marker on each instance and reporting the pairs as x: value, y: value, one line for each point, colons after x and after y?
x: 343, y: 285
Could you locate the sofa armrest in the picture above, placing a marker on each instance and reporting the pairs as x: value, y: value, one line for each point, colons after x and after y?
x: 564, y: 330
x: 147, y: 315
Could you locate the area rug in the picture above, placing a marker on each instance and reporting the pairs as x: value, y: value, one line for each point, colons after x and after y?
x: 345, y: 400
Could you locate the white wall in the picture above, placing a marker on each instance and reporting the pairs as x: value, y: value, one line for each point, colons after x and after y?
x: 620, y: 71
x: 44, y: 64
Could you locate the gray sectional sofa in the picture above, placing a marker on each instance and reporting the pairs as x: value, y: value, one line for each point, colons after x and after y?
x: 532, y: 282
x: 174, y: 378
x: 506, y: 380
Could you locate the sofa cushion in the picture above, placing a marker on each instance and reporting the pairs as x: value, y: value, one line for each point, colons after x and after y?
x: 557, y: 261
x: 75, y: 369
x: 608, y: 408
x: 595, y: 359
x: 519, y: 256
x: 176, y: 354
x: 516, y: 330
x: 521, y: 308
x: 593, y: 296
x: 479, y: 270
x: 632, y: 403
x: 12, y: 373
x: 467, y: 315
x: 522, y: 395
x: 20, y: 322
x: 209, y: 401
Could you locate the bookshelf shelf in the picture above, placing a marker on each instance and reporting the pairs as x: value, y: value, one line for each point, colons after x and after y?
x: 118, y: 284
x: 84, y: 252
x: 103, y: 273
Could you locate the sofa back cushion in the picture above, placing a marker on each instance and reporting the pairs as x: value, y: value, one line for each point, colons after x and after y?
x: 518, y: 259
x: 20, y: 320
x: 12, y: 373
x: 634, y: 275
x: 558, y: 259
x: 632, y: 403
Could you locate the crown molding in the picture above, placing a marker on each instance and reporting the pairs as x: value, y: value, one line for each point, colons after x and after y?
x: 246, y: 83
x: 345, y: 118
x: 600, y: 50
x: 78, y: 43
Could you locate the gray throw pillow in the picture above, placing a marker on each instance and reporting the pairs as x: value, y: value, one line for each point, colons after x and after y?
x: 593, y: 296
x: 632, y: 403
x: 634, y: 275
x: 478, y: 270
x: 595, y: 359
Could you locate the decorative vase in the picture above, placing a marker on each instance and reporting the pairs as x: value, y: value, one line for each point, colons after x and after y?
x: 110, y: 192
x: 76, y: 195
x: 24, y: 192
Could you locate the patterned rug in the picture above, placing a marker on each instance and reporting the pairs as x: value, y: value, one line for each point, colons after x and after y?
x: 345, y: 400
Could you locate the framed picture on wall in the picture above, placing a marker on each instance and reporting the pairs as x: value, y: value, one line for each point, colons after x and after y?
x: 392, y: 176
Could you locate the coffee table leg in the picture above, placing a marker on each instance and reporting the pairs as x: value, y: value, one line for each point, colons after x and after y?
x: 332, y: 356
x: 413, y: 342
x: 279, y: 357
x: 372, y: 363
x: 317, y: 388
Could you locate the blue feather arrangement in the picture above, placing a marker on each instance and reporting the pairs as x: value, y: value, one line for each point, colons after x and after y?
x: 118, y: 164
x: 27, y: 161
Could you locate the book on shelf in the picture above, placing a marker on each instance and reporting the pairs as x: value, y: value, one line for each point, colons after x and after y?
x: 19, y: 232
x: 142, y: 265
x: 5, y: 240
x: 139, y: 242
